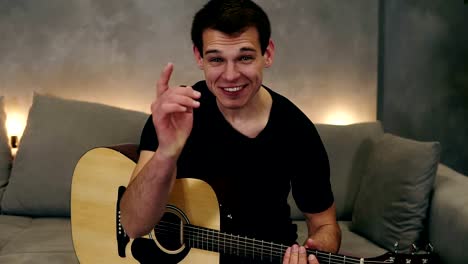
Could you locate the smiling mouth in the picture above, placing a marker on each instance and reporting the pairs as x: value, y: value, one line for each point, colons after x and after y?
x: 233, y: 89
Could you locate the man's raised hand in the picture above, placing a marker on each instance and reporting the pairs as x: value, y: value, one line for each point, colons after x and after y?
x: 172, y: 113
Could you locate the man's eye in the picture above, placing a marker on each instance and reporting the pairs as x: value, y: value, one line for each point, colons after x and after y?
x: 215, y: 60
x: 246, y: 58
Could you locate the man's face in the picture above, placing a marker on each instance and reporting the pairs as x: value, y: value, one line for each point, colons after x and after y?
x: 233, y: 65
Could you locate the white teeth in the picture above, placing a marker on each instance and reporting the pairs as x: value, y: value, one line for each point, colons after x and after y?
x: 233, y: 89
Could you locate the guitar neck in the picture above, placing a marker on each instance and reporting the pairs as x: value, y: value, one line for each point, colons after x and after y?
x: 248, y: 248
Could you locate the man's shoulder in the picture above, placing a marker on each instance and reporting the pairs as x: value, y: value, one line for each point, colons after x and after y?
x: 281, y: 100
x: 200, y: 86
x: 288, y: 110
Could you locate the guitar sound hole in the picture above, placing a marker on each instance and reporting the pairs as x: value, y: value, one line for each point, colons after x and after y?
x: 168, y: 231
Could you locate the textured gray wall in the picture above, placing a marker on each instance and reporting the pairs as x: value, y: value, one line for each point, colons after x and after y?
x: 425, y: 74
x: 112, y: 52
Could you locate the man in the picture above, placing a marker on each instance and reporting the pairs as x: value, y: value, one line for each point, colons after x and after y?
x: 248, y: 142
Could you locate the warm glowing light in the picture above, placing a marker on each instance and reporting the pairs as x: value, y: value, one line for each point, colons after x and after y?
x: 340, y: 118
x: 15, y: 124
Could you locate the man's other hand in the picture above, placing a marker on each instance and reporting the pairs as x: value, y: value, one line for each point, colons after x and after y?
x: 298, y: 255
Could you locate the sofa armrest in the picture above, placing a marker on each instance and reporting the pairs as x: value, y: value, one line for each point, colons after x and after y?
x: 448, y: 217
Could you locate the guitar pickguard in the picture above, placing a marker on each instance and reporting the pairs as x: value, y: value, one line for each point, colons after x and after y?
x: 162, y: 248
x: 146, y: 251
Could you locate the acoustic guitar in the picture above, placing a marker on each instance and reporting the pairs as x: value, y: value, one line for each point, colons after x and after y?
x: 189, y: 231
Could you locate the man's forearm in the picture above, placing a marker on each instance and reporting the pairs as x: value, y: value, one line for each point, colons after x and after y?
x: 145, y: 199
x: 328, y: 237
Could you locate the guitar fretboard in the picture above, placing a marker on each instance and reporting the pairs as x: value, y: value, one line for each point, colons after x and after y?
x: 248, y: 248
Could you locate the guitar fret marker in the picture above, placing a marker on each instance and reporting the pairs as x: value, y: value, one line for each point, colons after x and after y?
x: 261, y: 252
x: 253, y: 255
x: 271, y: 251
x: 245, y: 247
x: 238, y: 253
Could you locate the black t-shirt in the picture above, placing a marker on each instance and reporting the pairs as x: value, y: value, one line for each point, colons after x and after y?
x: 253, y: 176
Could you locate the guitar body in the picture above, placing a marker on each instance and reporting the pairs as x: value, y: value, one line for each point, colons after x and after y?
x: 94, y: 214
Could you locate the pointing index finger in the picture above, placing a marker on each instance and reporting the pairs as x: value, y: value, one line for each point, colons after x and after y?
x: 163, y: 82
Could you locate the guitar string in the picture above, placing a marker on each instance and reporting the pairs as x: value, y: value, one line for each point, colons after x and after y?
x: 237, y: 240
x: 322, y: 256
x: 270, y: 249
x: 217, y: 235
x: 198, y: 240
x: 255, y: 254
x: 327, y: 257
x: 226, y: 238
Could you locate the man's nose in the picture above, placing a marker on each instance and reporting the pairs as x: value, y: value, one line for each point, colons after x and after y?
x: 231, y: 72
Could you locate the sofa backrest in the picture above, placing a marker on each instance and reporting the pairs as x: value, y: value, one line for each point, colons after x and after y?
x: 58, y: 132
x: 40, y: 180
x: 5, y: 153
x: 348, y: 149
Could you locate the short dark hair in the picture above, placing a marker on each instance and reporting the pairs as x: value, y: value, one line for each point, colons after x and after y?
x: 231, y: 17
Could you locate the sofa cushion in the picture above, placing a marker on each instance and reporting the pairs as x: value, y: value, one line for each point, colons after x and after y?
x: 12, y: 226
x: 5, y: 152
x: 352, y: 244
x: 40, y: 257
x: 393, y: 198
x: 36, y: 240
x: 448, y: 218
x: 58, y: 132
x: 355, y: 245
x: 348, y: 149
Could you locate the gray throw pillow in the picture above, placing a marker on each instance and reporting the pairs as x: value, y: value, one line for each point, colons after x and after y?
x: 58, y: 132
x: 347, y: 149
x: 393, y: 198
x: 5, y: 152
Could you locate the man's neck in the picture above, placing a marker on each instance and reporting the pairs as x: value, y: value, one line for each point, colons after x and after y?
x: 252, y: 118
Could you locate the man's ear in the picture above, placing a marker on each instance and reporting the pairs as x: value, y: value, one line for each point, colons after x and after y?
x: 269, y: 54
x: 198, y: 57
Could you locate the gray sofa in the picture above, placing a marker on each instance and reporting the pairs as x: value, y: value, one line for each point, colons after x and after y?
x: 386, y: 188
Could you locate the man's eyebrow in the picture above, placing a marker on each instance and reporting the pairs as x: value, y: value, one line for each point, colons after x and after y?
x: 210, y: 51
x: 248, y: 49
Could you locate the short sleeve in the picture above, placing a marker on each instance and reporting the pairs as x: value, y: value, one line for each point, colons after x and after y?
x: 148, y: 139
x: 311, y: 187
